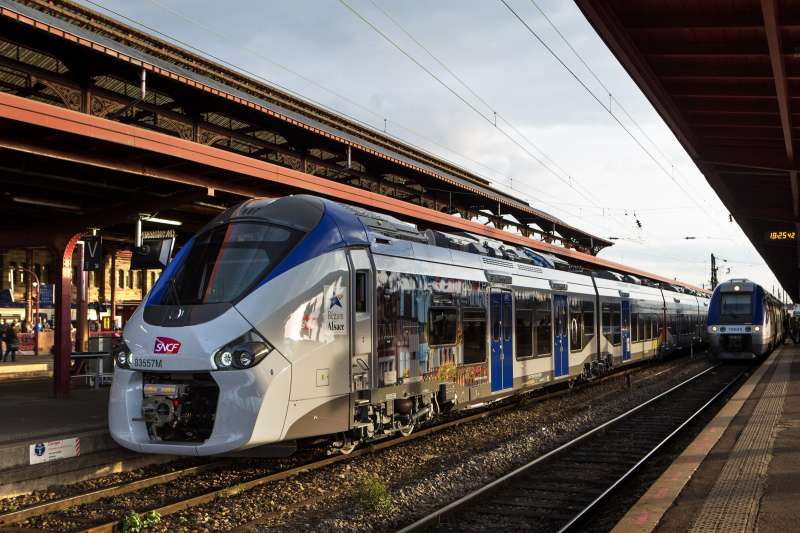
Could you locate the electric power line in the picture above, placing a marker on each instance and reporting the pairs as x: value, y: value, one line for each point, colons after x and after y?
x: 602, y: 104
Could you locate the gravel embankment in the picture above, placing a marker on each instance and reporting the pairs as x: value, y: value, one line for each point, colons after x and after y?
x: 422, y: 474
x: 425, y: 474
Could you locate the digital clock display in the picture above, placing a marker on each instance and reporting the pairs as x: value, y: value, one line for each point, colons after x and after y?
x: 781, y: 235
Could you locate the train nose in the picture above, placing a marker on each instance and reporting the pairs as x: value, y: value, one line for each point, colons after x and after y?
x: 200, y: 413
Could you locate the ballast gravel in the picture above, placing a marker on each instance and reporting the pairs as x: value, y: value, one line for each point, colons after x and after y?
x: 425, y: 474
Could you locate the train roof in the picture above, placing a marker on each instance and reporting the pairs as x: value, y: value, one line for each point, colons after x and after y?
x: 304, y: 212
x: 381, y: 225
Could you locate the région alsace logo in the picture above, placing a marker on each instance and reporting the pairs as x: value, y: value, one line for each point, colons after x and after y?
x: 166, y: 345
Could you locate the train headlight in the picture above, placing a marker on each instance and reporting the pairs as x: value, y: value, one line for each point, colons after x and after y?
x: 122, y: 355
x: 243, y: 352
x: 224, y: 359
x: 758, y: 328
x: 714, y: 328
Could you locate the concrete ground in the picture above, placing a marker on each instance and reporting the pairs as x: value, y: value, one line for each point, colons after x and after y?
x: 28, y: 410
x: 750, y: 479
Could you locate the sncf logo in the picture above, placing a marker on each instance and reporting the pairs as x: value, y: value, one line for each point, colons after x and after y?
x: 166, y: 345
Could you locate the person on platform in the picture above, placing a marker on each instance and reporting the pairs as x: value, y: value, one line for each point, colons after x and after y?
x: 12, y: 342
x: 3, y: 327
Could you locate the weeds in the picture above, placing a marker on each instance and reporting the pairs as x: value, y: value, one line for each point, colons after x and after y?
x: 135, y: 523
x: 373, y: 495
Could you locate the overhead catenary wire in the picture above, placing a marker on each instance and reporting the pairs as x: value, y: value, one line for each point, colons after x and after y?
x: 568, y: 180
x: 455, y: 93
x: 602, y: 104
x: 612, y: 98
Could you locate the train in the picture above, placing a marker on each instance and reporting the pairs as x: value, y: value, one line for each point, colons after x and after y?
x: 300, y: 318
x: 745, y: 321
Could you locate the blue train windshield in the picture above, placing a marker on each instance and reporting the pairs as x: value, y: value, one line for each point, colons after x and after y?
x: 225, y: 262
x: 736, y: 307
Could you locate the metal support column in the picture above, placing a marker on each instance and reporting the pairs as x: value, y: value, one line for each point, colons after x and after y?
x: 82, y: 305
x: 63, y: 343
x: 29, y: 288
x: 113, y: 280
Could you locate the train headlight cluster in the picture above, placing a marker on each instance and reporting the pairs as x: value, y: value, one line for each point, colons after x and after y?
x: 243, y: 352
x: 714, y: 328
x: 122, y: 355
x: 758, y: 328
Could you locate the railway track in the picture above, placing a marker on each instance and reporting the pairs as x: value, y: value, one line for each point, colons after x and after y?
x: 19, y: 516
x: 563, y: 489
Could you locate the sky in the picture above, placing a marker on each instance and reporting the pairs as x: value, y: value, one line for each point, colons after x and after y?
x: 571, y: 158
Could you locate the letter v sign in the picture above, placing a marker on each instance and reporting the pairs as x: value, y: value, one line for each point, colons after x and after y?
x: 92, y: 253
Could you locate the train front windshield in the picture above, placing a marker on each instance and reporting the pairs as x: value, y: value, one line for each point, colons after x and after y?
x: 226, y: 262
x: 736, y: 307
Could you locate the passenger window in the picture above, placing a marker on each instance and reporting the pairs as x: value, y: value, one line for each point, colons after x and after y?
x: 443, y: 326
x: 542, y: 319
x: 524, y: 324
x: 634, y: 327
x: 473, y: 324
x: 508, y: 323
x: 496, y: 324
x: 616, y: 337
x: 361, y: 291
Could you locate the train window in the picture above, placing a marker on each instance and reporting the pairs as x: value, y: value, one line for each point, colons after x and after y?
x: 588, y: 321
x: 443, y: 326
x: 543, y: 327
x: 616, y: 335
x: 223, y: 263
x: 508, y: 323
x: 473, y: 324
x: 607, y: 310
x: 640, y: 327
x: 497, y: 325
x: 581, y: 322
x: 735, y: 307
x: 575, y: 324
x: 361, y: 291
x: 524, y: 325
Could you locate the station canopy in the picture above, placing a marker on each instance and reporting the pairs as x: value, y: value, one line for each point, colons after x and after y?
x: 725, y: 76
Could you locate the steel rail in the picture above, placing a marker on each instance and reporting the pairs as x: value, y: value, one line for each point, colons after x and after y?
x: 433, y: 518
x: 232, y: 490
x: 589, y: 508
x: 20, y: 515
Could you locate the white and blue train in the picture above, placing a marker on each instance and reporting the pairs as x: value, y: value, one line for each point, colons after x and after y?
x: 744, y: 320
x: 300, y: 318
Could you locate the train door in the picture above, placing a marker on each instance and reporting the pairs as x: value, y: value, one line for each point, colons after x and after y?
x: 625, y: 328
x: 502, y: 320
x: 560, y: 336
x: 362, y: 284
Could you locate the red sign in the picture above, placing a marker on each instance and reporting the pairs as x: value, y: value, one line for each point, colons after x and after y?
x: 166, y: 345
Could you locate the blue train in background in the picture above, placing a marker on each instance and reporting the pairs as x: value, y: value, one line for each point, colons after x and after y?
x: 744, y: 320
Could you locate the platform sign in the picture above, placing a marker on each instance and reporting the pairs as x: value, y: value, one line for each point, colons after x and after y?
x: 92, y: 253
x: 44, y: 452
x: 46, y: 294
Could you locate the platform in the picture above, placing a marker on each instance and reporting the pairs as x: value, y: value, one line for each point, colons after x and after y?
x: 742, y: 472
x: 31, y: 416
x: 26, y: 366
